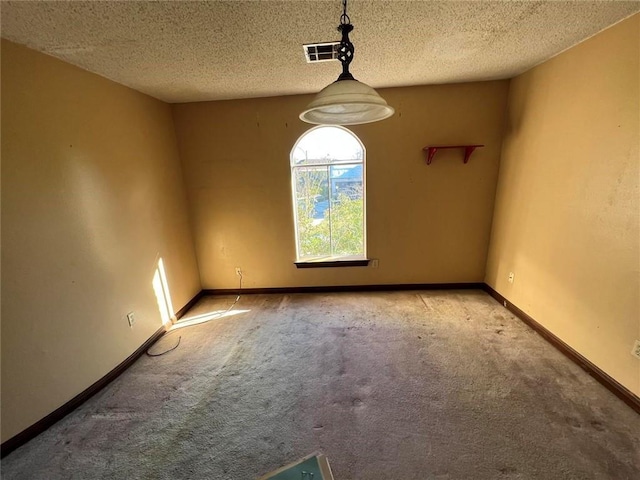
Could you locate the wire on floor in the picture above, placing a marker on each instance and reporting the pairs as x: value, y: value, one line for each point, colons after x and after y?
x: 212, y: 318
x: 166, y: 351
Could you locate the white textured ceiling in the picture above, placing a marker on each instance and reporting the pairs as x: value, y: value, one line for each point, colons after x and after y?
x: 185, y: 51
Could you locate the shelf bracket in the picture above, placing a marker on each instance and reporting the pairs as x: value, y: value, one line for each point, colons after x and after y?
x: 432, y: 149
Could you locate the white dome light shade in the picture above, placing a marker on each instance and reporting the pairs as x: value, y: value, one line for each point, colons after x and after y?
x: 346, y: 102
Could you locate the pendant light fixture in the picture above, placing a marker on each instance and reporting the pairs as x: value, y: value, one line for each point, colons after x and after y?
x: 346, y: 101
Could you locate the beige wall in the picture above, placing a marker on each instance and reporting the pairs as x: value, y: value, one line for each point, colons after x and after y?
x: 425, y: 223
x: 92, y: 192
x: 567, y: 208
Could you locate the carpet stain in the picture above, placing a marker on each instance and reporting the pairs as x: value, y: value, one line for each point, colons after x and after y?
x: 574, y: 422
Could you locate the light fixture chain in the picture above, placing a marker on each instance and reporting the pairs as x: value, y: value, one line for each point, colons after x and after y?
x: 344, y: 18
x: 346, y: 48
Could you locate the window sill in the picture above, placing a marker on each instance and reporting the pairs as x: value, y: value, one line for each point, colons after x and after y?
x: 331, y: 262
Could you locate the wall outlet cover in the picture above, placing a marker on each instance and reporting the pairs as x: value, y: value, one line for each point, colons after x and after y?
x: 131, y: 319
x: 636, y: 349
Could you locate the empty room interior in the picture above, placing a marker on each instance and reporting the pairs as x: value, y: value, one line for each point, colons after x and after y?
x: 212, y: 267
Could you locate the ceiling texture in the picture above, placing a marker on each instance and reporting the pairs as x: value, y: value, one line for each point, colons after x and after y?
x: 187, y: 51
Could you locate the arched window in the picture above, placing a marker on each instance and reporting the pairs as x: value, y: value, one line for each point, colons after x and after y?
x: 328, y: 184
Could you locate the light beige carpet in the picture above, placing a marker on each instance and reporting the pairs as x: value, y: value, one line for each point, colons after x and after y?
x: 397, y: 385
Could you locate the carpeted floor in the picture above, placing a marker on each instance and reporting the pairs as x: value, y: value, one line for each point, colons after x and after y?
x: 392, y: 385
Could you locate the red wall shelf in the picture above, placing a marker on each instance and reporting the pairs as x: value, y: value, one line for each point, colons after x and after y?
x: 432, y: 149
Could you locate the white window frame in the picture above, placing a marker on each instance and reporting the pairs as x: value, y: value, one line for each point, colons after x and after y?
x: 329, y: 258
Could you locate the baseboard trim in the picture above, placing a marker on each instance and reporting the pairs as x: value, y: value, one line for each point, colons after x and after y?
x: 348, y: 288
x: 619, y: 390
x: 180, y: 313
x: 41, y: 425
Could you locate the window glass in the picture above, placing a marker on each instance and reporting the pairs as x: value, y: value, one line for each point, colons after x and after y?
x: 328, y: 183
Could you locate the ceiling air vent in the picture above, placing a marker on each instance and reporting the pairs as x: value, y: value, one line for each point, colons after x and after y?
x: 321, y: 52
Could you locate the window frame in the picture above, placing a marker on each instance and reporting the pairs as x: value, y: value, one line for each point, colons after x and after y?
x: 329, y: 260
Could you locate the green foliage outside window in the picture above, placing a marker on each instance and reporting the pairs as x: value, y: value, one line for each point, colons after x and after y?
x: 340, y: 230
x: 347, y: 225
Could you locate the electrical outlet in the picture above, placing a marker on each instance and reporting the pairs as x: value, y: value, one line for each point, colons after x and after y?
x: 636, y: 349
x: 131, y: 319
x: 374, y: 263
x: 511, y: 275
x: 238, y: 271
